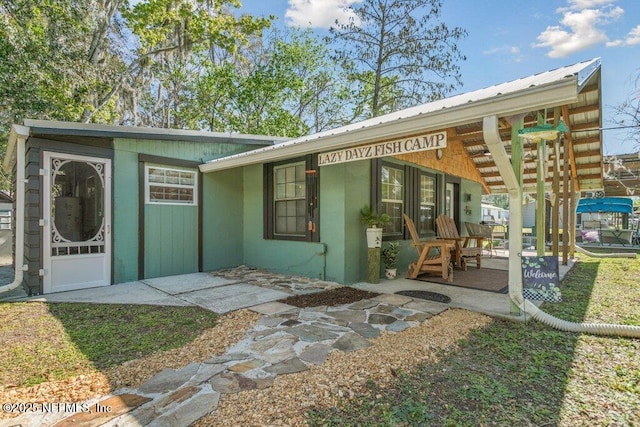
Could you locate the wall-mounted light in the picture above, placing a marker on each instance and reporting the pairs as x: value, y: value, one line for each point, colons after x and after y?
x: 467, y: 210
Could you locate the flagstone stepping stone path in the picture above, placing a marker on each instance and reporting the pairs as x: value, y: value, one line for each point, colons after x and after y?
x: 285, y: 340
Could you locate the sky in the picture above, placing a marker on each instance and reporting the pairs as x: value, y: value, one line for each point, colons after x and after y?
x: 510, y: 39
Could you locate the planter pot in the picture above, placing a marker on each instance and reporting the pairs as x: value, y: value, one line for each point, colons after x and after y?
x: 390, y: 273
x: 374, y: 237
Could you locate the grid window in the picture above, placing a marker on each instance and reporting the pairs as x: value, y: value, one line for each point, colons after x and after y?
x: 427, y: 207
x: 170, y: 186
x: 402, y: 188
x: 290, y: 199
x: 392, y: 187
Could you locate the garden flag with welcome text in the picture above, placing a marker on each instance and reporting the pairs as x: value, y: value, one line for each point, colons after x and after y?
x: 540, y: 278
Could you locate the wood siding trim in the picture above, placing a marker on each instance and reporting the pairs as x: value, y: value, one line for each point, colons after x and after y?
x: 455, y: 161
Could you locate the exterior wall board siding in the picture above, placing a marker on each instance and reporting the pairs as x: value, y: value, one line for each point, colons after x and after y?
x: 125, y: 216
x: 289, y: 257
x: 175, y: 250
x: 223, y: 221
x: 32, y: 250
x: 171, y: 240
x: 455, y: 161
x: 474, y: 190
x: 344, y: 190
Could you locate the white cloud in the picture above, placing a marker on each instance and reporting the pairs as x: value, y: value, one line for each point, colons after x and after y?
x: 513, y: 51
x: 574, y: 5
x: 319, y: 13
x: 580, y: 27
x: 633, y: 37
x: 582, y: 33
x: 588, y: 4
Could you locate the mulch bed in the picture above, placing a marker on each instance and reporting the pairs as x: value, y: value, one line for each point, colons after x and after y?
x: 338, y: 296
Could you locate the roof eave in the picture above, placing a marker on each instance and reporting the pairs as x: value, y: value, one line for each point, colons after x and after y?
x: 552, y: 94
x: 134, y: 132
x: 17, y: 131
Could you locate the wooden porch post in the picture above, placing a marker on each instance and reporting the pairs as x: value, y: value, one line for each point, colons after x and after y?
x: 565, y: 203
x: 572, y: 220
x: 541, y: 233
x: 556, y: 204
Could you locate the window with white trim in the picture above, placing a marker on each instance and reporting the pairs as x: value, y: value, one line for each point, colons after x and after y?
x: 170, y: 186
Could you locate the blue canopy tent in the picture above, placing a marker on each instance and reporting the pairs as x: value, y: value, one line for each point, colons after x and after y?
x: 606, y: 204
x: 620, y: 208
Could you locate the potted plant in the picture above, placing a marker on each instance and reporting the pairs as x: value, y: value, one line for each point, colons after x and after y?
x: 390, y: 257
x: 374, y: 224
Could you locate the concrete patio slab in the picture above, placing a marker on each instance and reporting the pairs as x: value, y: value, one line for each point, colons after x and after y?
x: 232, y: 297
x: 125, y: 293
x: 183, y: 283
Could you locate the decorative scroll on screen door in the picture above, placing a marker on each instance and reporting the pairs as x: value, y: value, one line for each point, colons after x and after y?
x: 77, y: 207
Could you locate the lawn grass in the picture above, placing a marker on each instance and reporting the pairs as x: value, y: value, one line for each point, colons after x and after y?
x: 524, y: 374
x: 44, y: 342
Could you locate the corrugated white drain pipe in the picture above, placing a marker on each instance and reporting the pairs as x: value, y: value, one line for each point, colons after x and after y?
x: 496, y: 147
x: 20, y: 133
x: 589, y: 328
x: 603, y: 255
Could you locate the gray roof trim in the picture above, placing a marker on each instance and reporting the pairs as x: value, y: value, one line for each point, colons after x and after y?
x: 46, y: 127
x: 585, y: 74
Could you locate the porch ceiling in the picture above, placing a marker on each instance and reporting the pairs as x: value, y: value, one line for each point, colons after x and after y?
x: 583, y: 143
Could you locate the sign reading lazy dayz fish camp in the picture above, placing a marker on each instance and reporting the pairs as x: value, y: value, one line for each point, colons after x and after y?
x: 412, y: 144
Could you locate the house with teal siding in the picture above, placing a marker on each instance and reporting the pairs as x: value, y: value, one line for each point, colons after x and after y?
x: 104, y: 204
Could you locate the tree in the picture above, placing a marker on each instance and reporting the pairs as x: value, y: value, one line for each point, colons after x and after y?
x: 627, y: 114
x: 398, y: 54
x: 55, y: 59
x: 194, y: 64
x: 282, y: 83
x: 289, y: 87
x: 179, y: 42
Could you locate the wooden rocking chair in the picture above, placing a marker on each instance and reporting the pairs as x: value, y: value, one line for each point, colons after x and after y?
x: 464, y: 247
x: 433, y: 255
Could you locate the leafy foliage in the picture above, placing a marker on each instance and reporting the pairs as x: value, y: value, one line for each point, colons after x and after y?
x: 397, y: 54
x: 627, y: 114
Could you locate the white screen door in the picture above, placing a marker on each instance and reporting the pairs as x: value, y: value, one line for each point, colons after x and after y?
x: 77, y: 222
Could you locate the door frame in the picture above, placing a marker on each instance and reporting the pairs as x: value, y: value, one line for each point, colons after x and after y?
x: 143, y: 160
x: 47, y: 223
x: 455, y: 183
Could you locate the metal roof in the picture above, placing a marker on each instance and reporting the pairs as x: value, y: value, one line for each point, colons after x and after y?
x: 79, y: 132
x: 47, y: 127
x: 576, y: 88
